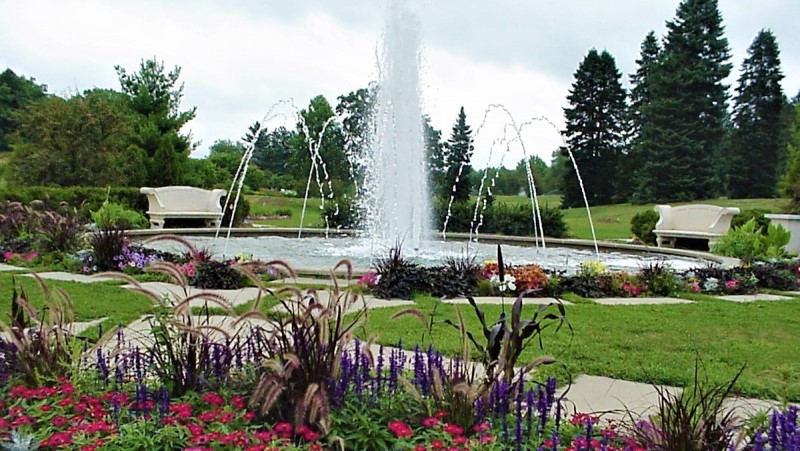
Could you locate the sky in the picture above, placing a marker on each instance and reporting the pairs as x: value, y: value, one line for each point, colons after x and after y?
x: 242, y: 59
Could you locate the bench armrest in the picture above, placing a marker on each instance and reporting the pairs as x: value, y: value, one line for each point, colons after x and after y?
x: 723, y: 221
x: 664, y: 216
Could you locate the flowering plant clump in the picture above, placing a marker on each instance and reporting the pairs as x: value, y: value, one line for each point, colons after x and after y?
x: 529, y: 277
x: 592, y: 268
x: 24, y: 258
x: 61, y: 417
x: 489, y: 268
x: 506, y: 285
x: 369, y: 279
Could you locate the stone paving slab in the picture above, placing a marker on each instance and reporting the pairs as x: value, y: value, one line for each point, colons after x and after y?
x: 507, y: 300
x: 622, y: 400
x: 176, y: 292
x: 5, y: 267
x: 70, y: 277
x: 754, y: 297
x: 324, y: 298
x: 641, y: 301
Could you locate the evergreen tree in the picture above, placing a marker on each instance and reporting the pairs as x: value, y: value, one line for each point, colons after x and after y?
x: 639, y: 97
x: 595, y: 130
x: 757, y: 139
x: 684, y: 123
x: 155, y: 96
x: 458, y: 153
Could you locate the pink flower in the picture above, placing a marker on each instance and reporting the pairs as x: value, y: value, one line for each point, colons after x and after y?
x: 213, y: 399
x: 732, y: 284
x: 400, y: 429
x: 453, y: 429
x: 7, y: 255
x: 430, y: 422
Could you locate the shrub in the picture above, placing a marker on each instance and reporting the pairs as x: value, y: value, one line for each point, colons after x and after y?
x: 242, y: 212
x: 529, y: 277
x: 114, y: 215
x: 58, y: 233
x: 500, y: 218
x: 642, y: 226
x: 340, y: 213
x: 107, y: 246
x: 399, y: 278
x: 84, y: 199
x: 660, y: 279
x: 216, y: 275
x: 745, y: 216
x: 749, y: 243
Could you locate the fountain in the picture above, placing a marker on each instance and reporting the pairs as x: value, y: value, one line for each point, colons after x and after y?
x: 396, y: 203
x: 397, y: 206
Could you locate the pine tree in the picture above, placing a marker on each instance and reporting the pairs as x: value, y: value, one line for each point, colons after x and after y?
x: 757, y: 139
x: 595, y: 131
x: 458, y: 152
x: 639, y: 97
x: 685, y: 119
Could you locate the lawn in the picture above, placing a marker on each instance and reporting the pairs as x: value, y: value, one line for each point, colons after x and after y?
x: 611, y: 222
x: 90, y: 300
x: 647, y: 343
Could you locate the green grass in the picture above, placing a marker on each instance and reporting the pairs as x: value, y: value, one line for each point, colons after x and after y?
x: 268, y: 206
x: 651, y: 344
x: 90, y: 300
x: 611, y: 222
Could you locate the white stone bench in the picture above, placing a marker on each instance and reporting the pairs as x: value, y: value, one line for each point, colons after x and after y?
x: 181, y: 202
x: 696, y: 221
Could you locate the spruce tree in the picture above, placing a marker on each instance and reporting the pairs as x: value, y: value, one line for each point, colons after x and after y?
x: 684, y: 123
x: 458, y: 153
x: 639, y: 97
x: 757, y: 139
x: 595, y: 130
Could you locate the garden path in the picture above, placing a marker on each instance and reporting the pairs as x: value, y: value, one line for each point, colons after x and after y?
x: 5, y: 267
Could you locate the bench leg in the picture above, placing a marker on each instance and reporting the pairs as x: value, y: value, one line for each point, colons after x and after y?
x: 157, y: 223
x: 214, y: 223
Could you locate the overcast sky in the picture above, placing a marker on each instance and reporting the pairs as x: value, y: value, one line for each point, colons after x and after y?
x: 239, y: 58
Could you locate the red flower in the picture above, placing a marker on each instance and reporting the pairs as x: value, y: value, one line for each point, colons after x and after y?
x: 315, y: 447
x: 57, y: 439
x: 213, y: 399
x: 249, y: 416
x: 437, y: 444
x: 46, y: 407
x: 483, y: 426
x: 238, y: 402
x: 59, y: 420
x: 453, y: 429
x: 400, y: 429
x: 430, y: 422
x: 459, y: 440
x: 420, y: 448
x: 265, y: 436
x: 181, y: 410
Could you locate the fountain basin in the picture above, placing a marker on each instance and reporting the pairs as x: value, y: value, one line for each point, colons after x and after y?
x: 317, y: 251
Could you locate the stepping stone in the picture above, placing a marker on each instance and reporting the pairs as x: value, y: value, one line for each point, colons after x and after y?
x: 70, y: 277
x: 324, y: 298
x: 611, y: 398
x: 5, y: 267
x: 754, y: 297
x: 79, y: 327
x: 177, y: 293
x: 507, y: 301
x: 641, y: 301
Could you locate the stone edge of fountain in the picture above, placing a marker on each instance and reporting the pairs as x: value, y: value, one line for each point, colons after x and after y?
x: 603, y: 246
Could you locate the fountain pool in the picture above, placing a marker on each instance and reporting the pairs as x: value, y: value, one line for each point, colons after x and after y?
x: 322, y: 253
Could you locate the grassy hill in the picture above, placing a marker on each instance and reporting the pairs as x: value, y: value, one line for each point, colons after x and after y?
x: 610, y: 221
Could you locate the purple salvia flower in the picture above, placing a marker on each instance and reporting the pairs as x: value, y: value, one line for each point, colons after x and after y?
x: 759, y: 441
x: 378, y: 385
